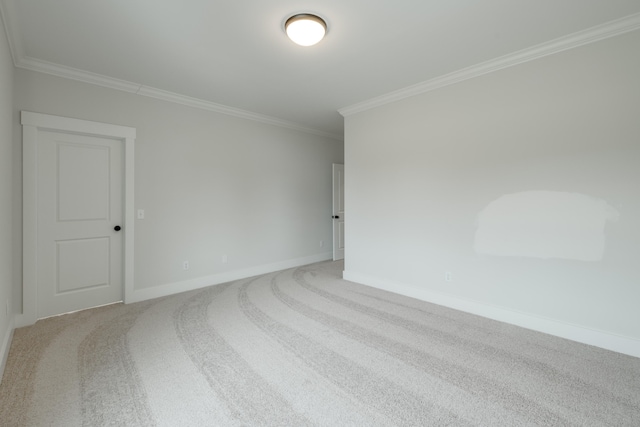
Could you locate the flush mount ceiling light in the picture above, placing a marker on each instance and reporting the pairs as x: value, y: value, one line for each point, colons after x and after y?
x: 305, y: 29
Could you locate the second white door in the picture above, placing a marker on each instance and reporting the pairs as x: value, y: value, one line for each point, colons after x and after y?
x: 80, y: 212
x: 338, y: 212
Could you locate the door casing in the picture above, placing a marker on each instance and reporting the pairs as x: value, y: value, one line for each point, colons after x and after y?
x: 32, y: 124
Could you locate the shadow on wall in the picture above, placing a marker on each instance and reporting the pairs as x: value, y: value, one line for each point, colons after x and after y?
x: 544, y: 224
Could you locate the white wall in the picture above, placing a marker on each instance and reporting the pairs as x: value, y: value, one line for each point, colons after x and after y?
x: 210, y: 184
x: 6, y: 194
x: 524, y: 184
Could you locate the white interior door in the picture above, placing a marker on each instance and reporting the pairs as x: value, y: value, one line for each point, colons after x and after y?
x: 79, y: 214
x: 338, y: 212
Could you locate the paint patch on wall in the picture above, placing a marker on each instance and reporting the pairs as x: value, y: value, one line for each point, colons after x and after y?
x: 544, y: 224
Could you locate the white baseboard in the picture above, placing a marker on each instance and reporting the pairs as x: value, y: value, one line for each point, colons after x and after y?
x: 4, y: 349
x: 581, y: 334
x: 216, y: 279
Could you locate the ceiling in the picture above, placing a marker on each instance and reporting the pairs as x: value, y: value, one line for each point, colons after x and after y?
x: 234, y: 55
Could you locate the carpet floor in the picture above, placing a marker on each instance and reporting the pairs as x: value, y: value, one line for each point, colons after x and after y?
x: 303, y: 347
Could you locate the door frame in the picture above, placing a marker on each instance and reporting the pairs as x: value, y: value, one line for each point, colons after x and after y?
x: 32, y: 124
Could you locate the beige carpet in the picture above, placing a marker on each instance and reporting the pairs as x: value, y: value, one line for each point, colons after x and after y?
x: 303, y: 347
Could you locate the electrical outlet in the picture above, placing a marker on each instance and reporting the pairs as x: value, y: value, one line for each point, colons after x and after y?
x: 447, y: 276
x: 185, y: 265
x: 321, y: 243
x: 140, y: 213
x: 225, y: 259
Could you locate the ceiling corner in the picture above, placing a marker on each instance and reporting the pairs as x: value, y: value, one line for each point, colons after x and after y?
x: 8, y: 15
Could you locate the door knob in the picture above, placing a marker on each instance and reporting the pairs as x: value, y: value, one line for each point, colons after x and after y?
x: 117, y: 228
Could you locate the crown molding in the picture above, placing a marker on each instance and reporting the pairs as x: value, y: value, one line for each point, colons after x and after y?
x: 591, y: 35
x: 20, y: 60
x: 46, y: 67
x: 230, y: 111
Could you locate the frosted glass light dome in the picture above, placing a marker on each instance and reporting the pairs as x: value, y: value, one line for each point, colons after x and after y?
x: 305, y: 29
